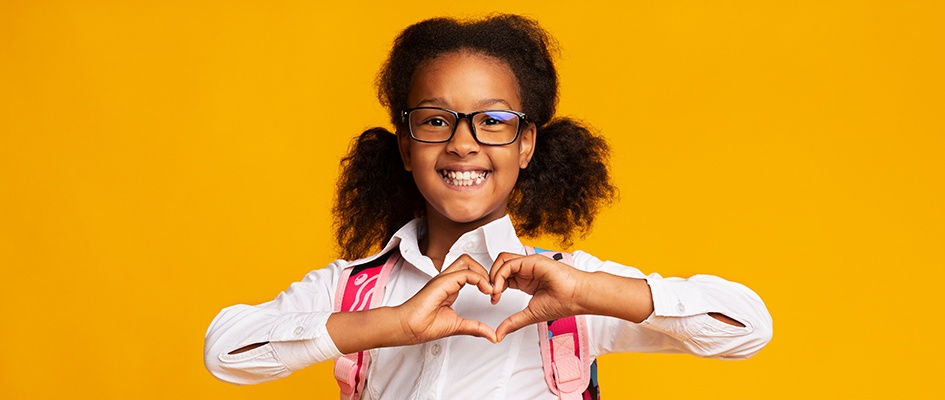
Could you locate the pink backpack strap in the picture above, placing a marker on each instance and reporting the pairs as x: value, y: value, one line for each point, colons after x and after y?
x: 360, y: 287
x: 565, y: 356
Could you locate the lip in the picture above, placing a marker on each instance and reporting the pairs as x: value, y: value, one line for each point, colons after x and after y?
x: 462, y: 168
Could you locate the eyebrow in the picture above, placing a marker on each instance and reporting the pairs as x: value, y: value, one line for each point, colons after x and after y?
x: 490, y: 102
x: 441, y: 102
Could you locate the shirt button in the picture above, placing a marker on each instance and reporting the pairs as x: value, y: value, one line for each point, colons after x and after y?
x: 436, y: 349
x: 680, y: 308
x: 469, y: 246
x: 298, y: 330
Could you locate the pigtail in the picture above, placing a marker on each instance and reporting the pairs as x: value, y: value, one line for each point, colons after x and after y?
x: 375, y: 194
x: 564, y: 185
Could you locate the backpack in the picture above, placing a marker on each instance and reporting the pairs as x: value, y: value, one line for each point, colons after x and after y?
x: 564, y: 355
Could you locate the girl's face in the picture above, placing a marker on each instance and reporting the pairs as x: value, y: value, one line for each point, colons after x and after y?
x: 466, y: 82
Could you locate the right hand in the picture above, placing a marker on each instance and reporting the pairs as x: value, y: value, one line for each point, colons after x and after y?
x: 429, y: 315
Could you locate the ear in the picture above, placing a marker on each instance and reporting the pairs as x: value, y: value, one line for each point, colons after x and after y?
x: 403, y: 143
x: 526, y: 145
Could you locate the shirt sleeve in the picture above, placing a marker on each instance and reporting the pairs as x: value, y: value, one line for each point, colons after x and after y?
x: 292, y: 328
x: 680, y: 322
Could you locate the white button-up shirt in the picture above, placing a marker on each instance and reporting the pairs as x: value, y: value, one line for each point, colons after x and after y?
x: 464, y: 367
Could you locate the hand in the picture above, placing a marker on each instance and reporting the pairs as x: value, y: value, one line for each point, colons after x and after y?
x: 555, y: 288
x: 429, y: 315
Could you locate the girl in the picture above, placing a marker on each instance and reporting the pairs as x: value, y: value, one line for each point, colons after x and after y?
x: 473, y: 104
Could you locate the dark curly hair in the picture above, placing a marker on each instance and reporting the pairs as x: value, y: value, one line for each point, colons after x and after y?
x: 376, y: 196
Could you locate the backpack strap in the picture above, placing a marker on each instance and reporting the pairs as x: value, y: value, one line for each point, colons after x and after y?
x: 360, y: 287
x: 565, y: 354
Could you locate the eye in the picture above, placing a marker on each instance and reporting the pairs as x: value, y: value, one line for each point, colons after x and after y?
x: 436, y: 121
x: 492, y: 121
x: 495, y: 119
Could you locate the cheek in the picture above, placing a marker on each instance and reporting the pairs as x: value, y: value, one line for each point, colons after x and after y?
x: 417, y: 155
x: 509, y: 166
x: 512, y: 158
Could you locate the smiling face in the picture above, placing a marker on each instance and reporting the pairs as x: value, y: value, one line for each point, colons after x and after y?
x: 465, y: 182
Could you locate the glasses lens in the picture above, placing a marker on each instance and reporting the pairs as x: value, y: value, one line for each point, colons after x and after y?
x: 496, y: 127
x: 432, y: 125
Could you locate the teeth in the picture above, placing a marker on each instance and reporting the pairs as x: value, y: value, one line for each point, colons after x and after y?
x: 464, y: 178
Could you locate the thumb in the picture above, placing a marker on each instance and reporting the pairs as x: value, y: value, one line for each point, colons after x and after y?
x: 513, y: 323
x: 475, y: 328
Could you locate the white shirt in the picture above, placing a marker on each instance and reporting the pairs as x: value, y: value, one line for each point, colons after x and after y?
x: 463, y: 367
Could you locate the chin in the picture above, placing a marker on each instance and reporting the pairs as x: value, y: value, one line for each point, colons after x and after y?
x: 465, y: 218
x: 482, y: 219
x: 470, y: 216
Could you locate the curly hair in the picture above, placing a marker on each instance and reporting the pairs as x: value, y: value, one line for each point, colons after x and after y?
x: 376, y: 196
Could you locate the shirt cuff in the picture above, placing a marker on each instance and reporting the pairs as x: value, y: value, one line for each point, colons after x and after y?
x: 302, y: 339
x: 675, y: 297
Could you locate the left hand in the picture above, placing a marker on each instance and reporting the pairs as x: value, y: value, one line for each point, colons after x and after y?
x: 429, y: 314
x: 556, y: 289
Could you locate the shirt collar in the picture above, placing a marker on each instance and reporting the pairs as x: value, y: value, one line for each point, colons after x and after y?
x: 493, y: 238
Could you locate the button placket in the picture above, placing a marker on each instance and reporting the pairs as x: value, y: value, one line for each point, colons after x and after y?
x: 431, y: 370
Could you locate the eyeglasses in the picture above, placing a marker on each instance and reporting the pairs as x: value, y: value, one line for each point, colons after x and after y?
x: 488, y: 127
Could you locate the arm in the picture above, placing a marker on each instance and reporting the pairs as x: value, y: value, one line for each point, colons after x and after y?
x: 252, y: 344
x: 426, y: 316
x: 626, y: 298
x: 704, y: 315
x: 689, y: 316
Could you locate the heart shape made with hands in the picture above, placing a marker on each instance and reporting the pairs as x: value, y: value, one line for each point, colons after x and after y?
x: 553, y: 286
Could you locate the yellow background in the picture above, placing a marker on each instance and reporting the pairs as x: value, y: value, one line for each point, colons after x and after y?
x: 162, y: 160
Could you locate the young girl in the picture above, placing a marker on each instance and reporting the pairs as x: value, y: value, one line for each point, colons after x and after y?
x: 477, y: 150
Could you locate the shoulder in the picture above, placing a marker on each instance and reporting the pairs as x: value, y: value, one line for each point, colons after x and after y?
x: 332, y: 268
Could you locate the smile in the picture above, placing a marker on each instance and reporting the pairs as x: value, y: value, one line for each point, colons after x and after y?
x: 463, y: 178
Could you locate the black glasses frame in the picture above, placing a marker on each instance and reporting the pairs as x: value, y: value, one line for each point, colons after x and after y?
x: 405, y: 119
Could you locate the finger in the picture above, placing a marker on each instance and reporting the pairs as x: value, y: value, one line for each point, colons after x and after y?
x: 501, y: 260
x: 475, y: 328
x: 513, y: 323
x: 465, y: 262
x: 482, y: 282
x: 444, y: 289
x: 500, y: 272
x: 457, y: 279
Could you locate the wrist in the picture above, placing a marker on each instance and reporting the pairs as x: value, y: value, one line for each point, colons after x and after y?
x: 390, y: 322
x: 364, y: 330
x: 586, y: 303
x: 616, y: 296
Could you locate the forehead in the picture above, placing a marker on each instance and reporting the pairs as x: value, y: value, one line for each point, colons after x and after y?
x: 464, y: 80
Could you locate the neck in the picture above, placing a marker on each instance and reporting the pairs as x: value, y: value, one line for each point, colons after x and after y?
x: 442, y: 233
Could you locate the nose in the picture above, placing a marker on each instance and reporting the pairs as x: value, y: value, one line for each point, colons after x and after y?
x: 463, y: 143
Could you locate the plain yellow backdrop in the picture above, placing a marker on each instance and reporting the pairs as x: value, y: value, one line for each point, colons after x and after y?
x: 162, y: 160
